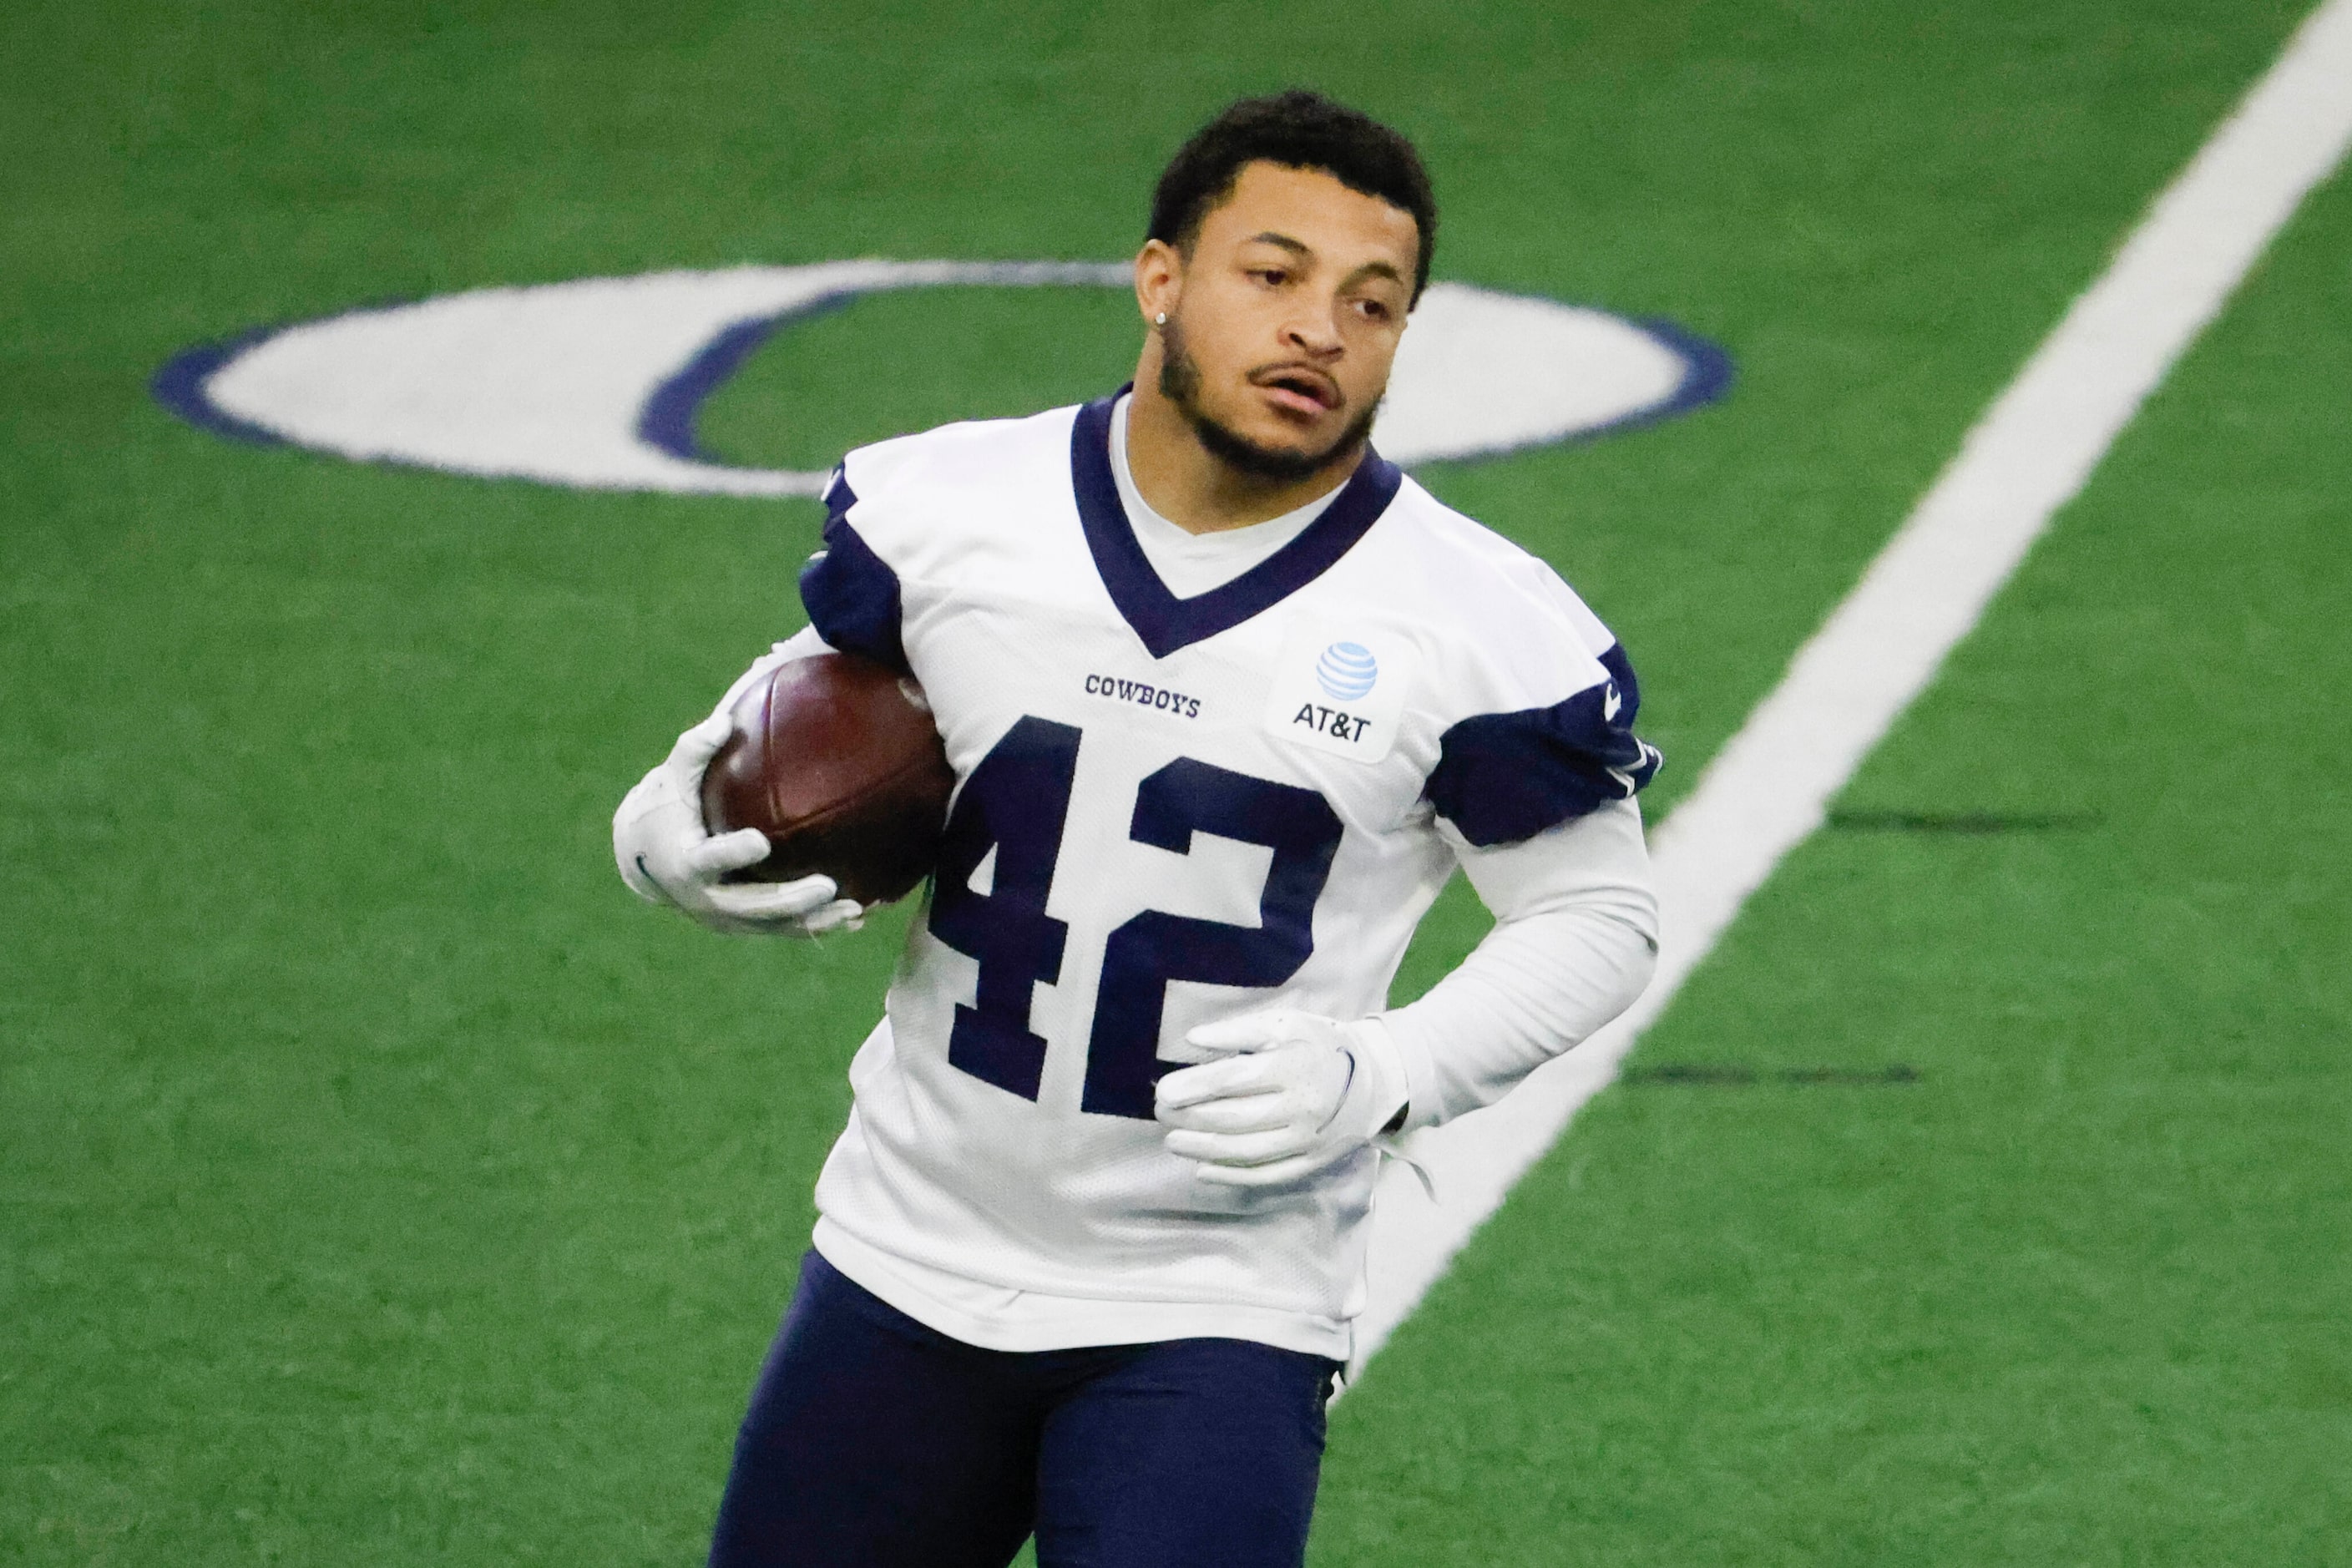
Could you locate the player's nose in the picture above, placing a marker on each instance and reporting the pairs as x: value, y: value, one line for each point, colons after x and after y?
x: 1315, y: 332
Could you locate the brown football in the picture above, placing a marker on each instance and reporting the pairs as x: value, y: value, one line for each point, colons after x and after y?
x: 836, y: 761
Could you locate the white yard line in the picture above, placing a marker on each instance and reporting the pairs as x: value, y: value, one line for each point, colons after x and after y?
x: 1768, y: 789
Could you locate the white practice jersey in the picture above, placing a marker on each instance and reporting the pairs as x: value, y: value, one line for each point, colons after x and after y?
x: 1168, y: 811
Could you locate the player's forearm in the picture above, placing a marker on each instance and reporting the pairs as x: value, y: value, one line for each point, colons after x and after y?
x: 1533, y: 989
x: 1574, y: 942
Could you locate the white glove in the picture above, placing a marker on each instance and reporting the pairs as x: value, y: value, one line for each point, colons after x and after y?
x: 667, y: 857
x: 1296, y: 1093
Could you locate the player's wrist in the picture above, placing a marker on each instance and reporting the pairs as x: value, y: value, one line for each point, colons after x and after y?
x: 1383, y: 1086
x: 1401, y: 1031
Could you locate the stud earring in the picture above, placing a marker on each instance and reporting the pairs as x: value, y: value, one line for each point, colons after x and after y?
x: 1161, y: 319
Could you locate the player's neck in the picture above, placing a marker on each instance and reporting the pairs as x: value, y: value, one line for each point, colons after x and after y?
x: 1200, y: 492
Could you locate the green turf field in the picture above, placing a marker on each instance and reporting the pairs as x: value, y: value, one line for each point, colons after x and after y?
x: 379, y: 1183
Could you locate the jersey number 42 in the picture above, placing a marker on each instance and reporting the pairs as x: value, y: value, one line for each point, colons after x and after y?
x: 1015, y: 803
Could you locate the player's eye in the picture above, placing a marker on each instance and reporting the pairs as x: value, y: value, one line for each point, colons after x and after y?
x: 1271, y: 277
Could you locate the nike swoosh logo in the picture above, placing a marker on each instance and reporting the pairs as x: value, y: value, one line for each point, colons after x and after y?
x: 655, y: 882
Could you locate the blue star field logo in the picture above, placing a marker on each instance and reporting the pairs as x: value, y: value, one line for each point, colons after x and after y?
x: 1347, y: 671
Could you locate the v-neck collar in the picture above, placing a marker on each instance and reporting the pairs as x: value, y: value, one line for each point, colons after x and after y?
x: 1167, y: 623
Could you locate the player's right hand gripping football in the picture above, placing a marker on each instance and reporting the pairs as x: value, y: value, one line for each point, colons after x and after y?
x: 667, y: 857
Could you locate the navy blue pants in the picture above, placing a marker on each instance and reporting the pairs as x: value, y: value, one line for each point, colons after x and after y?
x: 874, y: 1442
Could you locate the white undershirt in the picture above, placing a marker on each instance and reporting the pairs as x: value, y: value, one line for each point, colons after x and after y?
x: 1193, y: 563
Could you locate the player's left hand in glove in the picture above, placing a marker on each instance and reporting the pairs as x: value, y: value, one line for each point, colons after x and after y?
x: 1292, y: 1093
x: 667, y: 857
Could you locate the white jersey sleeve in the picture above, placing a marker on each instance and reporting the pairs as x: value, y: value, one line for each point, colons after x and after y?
x: 1539, y: 699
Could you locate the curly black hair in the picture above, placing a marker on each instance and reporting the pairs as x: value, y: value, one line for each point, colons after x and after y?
x: 1299, y: 130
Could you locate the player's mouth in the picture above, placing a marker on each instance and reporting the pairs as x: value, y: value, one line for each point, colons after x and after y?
x: 1297, y: 389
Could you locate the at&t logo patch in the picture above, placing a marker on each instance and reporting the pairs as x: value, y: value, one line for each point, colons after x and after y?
x: 1343, y: 694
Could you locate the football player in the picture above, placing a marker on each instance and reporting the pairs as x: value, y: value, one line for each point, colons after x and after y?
x: 1228, y: 698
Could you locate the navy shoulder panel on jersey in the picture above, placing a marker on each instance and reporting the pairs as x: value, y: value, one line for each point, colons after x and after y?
x: 851, y: 593
x: 1504, y: 777
x: 1166, y: 623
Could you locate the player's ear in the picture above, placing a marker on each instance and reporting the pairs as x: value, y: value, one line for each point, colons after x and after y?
x: 1158, y: 278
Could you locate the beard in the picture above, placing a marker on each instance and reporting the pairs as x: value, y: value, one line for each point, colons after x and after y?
x: 1179, y: 383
